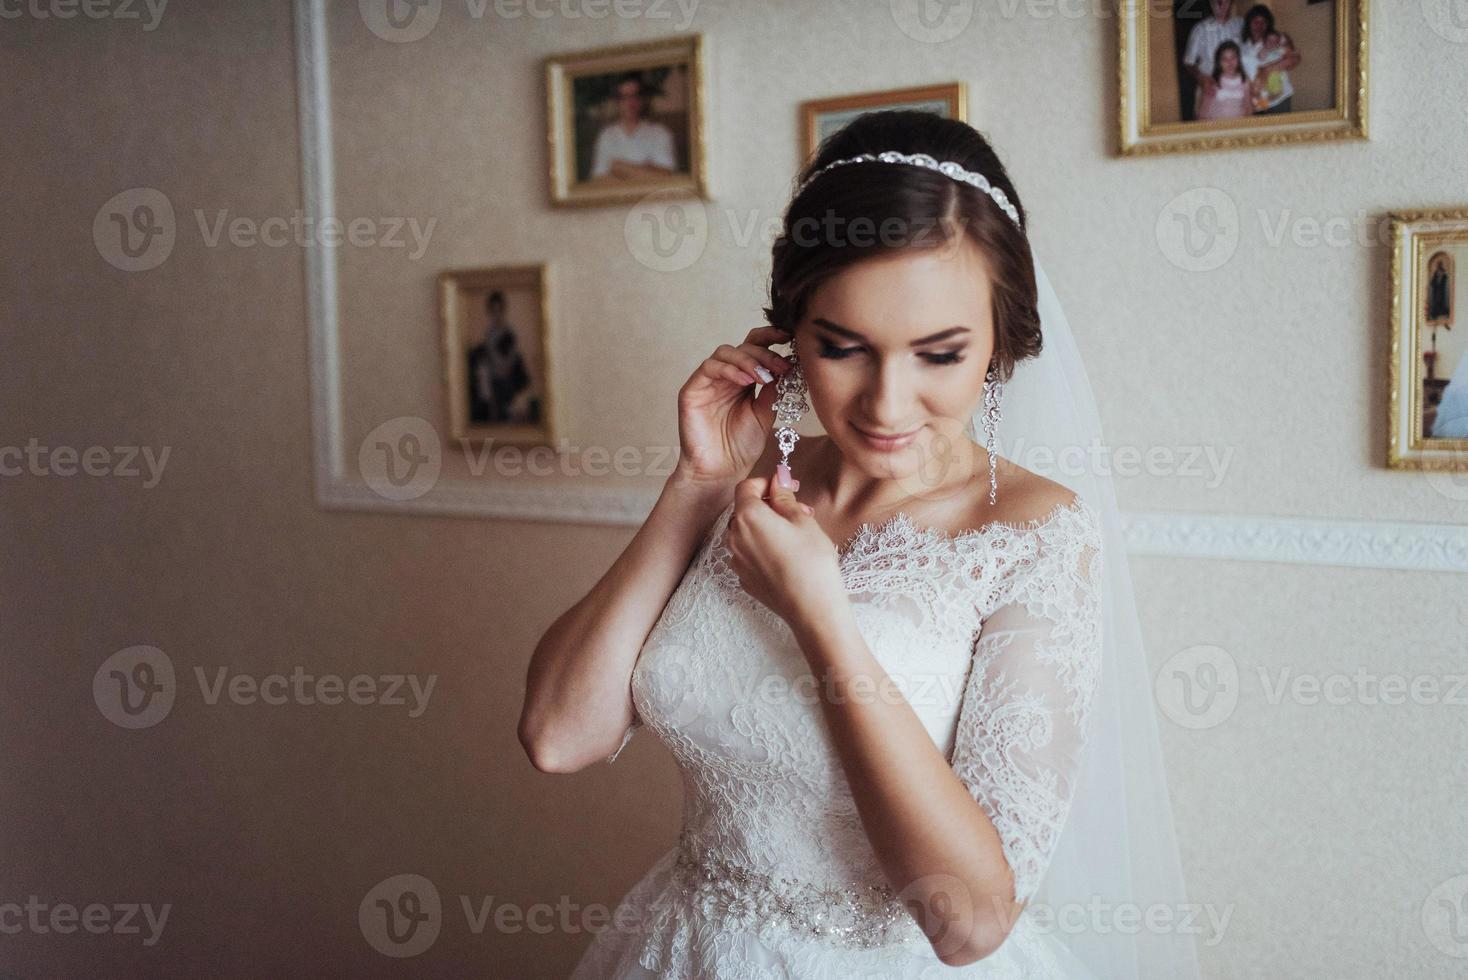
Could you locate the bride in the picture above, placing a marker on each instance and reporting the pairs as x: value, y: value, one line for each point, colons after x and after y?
x: 906, y: 691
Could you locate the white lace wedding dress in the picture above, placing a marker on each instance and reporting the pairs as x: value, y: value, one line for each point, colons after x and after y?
x: 994, y: 637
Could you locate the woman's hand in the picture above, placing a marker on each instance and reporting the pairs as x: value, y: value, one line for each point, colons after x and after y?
x: 722, y: 425
x: 781, y: 554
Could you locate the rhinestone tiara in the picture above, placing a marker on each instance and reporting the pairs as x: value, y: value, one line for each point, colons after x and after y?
x: 947, y: 167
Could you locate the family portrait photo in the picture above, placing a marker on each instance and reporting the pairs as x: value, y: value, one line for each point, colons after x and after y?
x: 1202, y: 74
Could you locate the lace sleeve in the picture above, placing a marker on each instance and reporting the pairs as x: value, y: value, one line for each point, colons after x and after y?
x: 1022, y: 722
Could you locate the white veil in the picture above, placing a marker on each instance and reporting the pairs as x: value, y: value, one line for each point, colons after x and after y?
x: 1114, y: 891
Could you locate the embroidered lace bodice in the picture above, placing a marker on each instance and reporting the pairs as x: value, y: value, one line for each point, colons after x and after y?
x: 993, y: 635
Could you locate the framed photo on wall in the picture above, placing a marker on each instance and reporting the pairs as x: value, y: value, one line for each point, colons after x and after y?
x: 1221, y: 74
x: 496, y: 354
x: 1429, y: 349
x: 820, y: 118
x: 625, y: 121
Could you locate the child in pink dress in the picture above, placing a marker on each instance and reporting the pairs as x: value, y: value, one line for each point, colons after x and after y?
x: 1232, y: 96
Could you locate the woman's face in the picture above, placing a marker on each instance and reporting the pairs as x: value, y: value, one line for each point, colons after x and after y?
x: 898, y: 345
x: 1257, y: 26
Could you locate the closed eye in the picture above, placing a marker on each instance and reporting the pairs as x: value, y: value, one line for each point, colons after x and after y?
x: 832, y: 352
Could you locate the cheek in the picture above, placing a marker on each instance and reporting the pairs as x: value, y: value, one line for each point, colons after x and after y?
x: 828, y: 387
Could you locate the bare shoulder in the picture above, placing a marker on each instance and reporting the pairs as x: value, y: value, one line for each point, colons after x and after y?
x: 1024, y: 497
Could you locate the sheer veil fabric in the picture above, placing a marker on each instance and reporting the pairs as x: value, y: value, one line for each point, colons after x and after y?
x: 1116, y: 867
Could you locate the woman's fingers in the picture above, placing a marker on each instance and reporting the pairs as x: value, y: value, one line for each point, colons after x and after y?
x: 716, y: 367
x: 767, y: 335
x: 754, y: 360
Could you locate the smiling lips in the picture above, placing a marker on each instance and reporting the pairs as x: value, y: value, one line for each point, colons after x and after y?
x: 889, y: 443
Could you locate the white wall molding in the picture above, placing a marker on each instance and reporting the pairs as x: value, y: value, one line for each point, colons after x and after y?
x: 1315, y: 541
x: 1300, y: 540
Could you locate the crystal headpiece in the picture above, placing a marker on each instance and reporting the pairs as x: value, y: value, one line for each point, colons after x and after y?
x: 947, y: 167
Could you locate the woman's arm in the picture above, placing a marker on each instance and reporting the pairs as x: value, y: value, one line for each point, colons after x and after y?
x: 577, y: 700
x: 968, y: 841
x: 933, y: 839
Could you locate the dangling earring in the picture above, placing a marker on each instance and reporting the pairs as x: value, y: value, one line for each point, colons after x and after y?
x: 790, y: 406
x: 993, y: 389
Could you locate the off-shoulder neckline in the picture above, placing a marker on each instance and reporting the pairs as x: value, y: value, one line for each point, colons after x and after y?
x: 901, y: 519
x: 869, y: 530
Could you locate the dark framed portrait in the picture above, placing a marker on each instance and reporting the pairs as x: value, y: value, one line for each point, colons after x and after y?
x: 496, y: 354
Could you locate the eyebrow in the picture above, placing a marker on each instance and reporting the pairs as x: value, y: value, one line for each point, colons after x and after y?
x: 821, y: 321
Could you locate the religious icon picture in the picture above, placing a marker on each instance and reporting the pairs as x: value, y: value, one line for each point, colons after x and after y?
x: 496, y: 355
x: 1219, y: 74
x: 625, y: 121
x: 1429, y: 359
x: 820, y: 118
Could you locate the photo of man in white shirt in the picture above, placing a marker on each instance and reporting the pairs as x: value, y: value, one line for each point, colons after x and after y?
x: 633, y: 146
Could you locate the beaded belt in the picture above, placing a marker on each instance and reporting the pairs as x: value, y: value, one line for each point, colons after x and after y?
x: 861, y: 916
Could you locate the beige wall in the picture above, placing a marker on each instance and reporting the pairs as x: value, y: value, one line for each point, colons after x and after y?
x: 1328, y: 827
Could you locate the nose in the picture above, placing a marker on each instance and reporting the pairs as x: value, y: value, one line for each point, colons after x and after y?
x: 888, y: 405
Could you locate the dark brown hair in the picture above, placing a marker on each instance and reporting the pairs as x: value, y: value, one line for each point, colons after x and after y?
x: 856, y: 211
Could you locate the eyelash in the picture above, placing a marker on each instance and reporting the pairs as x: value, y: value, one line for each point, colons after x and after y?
x: 829, y: 350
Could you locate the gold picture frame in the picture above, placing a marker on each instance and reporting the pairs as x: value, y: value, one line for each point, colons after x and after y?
x: 498, y: 368
x: 820, y: 117
x: 628, y: 120
x: 1421, y: 374
x: 1153, y: 118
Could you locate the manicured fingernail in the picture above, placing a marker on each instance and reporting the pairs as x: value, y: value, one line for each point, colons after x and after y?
x: 782, y: 473
x: 764, y: 374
